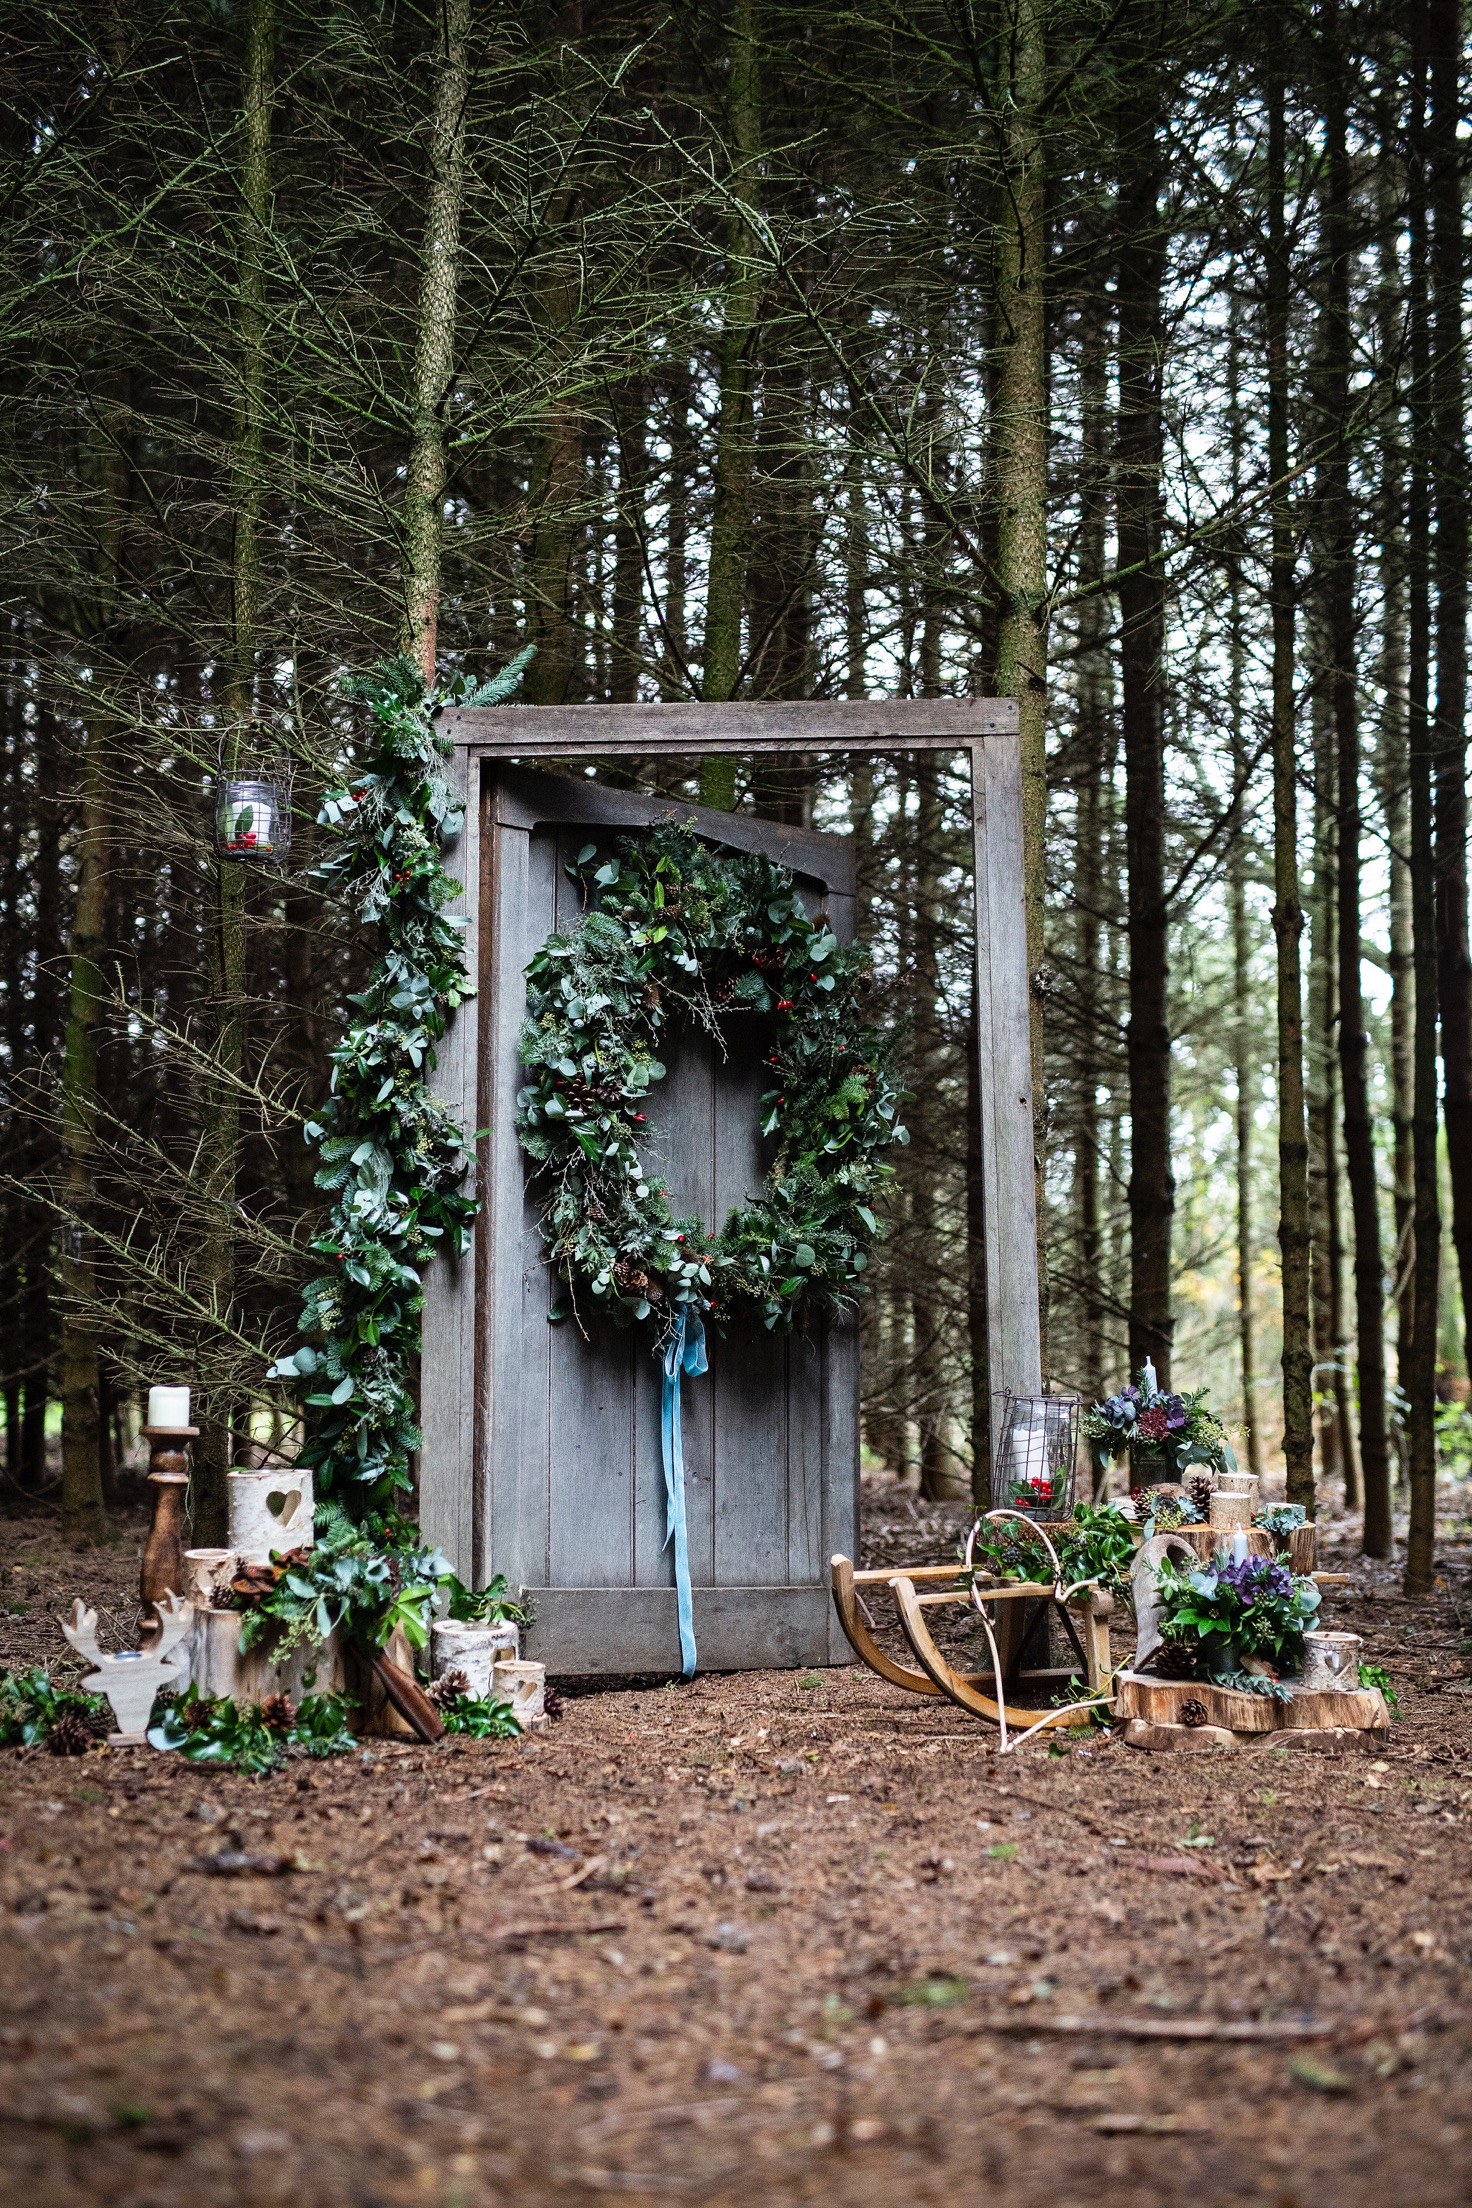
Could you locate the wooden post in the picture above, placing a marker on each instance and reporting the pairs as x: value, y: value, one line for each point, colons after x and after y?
x: 163, y: 1552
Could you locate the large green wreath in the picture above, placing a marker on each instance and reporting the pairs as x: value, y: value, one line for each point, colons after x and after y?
x: 684, y: 932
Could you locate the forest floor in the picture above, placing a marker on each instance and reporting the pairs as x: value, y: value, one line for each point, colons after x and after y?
x: 784, y: 1937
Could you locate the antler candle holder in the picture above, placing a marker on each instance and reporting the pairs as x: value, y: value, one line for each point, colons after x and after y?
x: 169, y: 1434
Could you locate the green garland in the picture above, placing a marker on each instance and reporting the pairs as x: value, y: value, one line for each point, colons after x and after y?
x: 685, y: 932
x: 393, y: 1157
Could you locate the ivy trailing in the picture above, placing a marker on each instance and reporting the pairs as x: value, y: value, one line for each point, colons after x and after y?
x: 679, y: 932
x: 392, y: 1157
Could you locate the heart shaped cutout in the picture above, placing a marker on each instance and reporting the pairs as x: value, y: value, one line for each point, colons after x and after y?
x: 284, y: 1506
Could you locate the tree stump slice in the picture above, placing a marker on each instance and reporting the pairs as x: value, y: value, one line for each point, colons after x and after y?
x: 1160, y: 1702
x: 1357, y: 1709
x: 217, y: 1664
x: 1183, y: 1739
x: 1350, y: 1717
x: 1302, y: 1554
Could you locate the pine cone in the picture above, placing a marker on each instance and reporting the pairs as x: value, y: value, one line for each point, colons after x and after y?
x: 278, y: 1711
x: 1194, y: 1713
x: 451, y: 1687
x: 1198, y: 1487
x: 71, y: 1735
x: 97, y: 1716
x: 1177, y: 1660
x: 552, y: 1702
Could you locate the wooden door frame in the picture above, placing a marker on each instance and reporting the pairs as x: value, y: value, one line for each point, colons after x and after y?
x: 987, y: 730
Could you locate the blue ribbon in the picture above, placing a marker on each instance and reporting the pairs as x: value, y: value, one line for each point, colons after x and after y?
x: 684, y: 1352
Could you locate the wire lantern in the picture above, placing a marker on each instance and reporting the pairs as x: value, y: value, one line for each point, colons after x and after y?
x: 1036, y: 1453
x: 253, y: 817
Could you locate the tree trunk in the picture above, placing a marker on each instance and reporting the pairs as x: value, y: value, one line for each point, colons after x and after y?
x: 220, y: 1132
x: 628, y: 545
x: 730, y: 526
x: 1020, y: 446
x: 1096, y: 745
x: 1321, y: 1093
x: 83, y: 1517
x: 675, y: 661
x: 1445, y: 158
x: 1142, y: 685
x: 434, y: 340
x: 1394, y: 792
x: 1420, y: 748
x: 1337, y: 569
x: 1293, y: 1232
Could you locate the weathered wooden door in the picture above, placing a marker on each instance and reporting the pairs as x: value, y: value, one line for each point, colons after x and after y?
x: 565, y: 1490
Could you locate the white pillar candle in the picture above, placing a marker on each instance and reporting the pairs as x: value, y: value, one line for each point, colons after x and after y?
x: 1239, y: 1546
x: 168, y: 1406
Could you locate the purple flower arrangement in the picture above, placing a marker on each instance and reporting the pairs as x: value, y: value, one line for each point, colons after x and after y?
x: 1161, y: 1433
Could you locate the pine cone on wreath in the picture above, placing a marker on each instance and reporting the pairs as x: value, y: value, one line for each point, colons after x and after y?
x: 1194, y: 1713
x: 1177, y: 1660
x: 278, y: 1711
x: 72, y: 1734
x: 451, y: 1687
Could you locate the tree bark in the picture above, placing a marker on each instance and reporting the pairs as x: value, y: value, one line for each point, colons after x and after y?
x: 1243, y: 1036
x: 1421, y: 753
x: 1445, y: 159
x: 628, y: 544
x: 1337, y: 575
x: 1293, y: 1230
x: 220, y: 1131
x: 730, y: 527
x: 1139, y: 514
x: 1020, y: 448
x: 1392, y: 785
x: 1096, y: 746
x: 434, y: 339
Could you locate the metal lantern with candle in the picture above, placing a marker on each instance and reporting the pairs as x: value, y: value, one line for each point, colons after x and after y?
x: 253, y: 817
x: 1037, y: 1445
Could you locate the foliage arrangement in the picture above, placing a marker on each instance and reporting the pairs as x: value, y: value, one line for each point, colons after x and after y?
x: 367, y: 1578
x: 482, y: 1717
x: 1281, y: 1519
x: 1097, y: 1542
x: 1168, y: 1513
x: 246, y: 1736
x: 34, y: 1709
x: 1160, y: 1433
x: 1375, y: 1675
x: 1227, y: 1615
x: 392, y: 1156
x: 683, y: 932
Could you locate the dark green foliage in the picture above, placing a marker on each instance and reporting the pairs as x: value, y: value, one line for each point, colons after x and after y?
x: 1256, y: 1609
x: 683, y: 932
x: 367, y: 1579
x: 237, y: 1737
x: 31, y: 1708
x: 1096, y: 1543
x: 392, y: 1156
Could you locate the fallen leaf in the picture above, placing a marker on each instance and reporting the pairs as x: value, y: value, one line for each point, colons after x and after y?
x: 237, y: 1863
x: 1118, y: 2120
x: 1175, y: 1866
x: 1320, y: 2075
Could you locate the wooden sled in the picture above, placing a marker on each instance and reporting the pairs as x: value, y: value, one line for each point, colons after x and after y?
x: 1019, y: 1609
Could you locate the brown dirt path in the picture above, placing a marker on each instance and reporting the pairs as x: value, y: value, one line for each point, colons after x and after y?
x: 785, y: 1937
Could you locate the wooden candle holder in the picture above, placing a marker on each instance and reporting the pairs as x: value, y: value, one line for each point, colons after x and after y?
x: 163, y: 1569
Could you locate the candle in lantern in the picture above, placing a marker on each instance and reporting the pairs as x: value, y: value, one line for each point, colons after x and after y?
x: 168, y: 1407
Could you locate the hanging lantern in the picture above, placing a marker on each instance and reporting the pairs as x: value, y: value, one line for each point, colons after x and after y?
x: 253, y: 818
x: 1036, y: 1448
